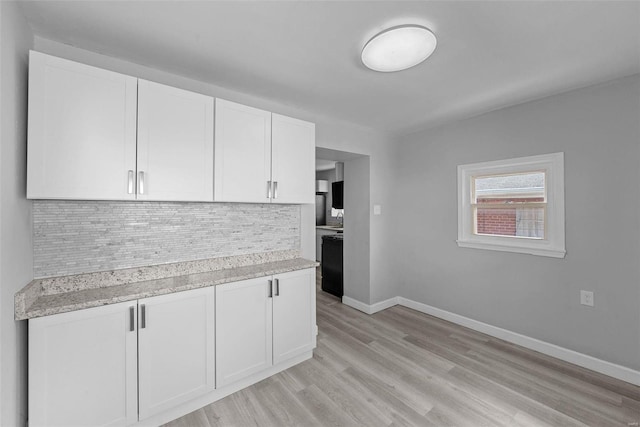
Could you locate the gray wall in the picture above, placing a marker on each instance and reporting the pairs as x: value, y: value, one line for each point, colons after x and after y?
x: 598, y: 130
x: 73, y: 237
x: 357, y: 240
x: 377, y: 258
x: 15, y: 211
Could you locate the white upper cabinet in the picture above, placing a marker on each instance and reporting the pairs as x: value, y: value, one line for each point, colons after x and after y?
x: 176, y: 349
x: 175, y: 144
x: 293, y: 151
x: 82, y: 131
x: 262, y: 157
x: 99, y: 135
x: 242, y: 153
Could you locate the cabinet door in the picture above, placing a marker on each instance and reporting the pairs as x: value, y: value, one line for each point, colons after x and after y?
x: 176, y: 343
x: 293, y: 160
x: 175, y: 144
x: 242, y: 153
x: 82, y: 131
x: 243, y: 329
x: 82, y: 367
x: 294, y: 314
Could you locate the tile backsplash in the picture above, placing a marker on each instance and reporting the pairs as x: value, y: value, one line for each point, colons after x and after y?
x: 73, y: 237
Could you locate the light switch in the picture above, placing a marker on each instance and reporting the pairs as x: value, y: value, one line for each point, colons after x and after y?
x: 377, y: 209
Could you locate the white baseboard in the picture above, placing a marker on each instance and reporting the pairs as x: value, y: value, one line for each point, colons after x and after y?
x: 370, y: 309
x: 598, y: 365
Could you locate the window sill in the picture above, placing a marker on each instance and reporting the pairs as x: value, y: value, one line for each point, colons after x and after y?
x: 548, y: 252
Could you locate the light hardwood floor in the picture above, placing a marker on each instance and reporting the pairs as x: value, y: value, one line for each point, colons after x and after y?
x: 400, y: 367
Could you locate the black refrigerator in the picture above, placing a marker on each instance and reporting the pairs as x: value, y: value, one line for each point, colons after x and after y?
x: 332, y: 277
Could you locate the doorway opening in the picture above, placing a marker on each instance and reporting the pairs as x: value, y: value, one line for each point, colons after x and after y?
x: 342, y: 221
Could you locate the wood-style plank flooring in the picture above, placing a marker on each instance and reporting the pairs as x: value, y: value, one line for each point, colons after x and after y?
x: 400, y: 367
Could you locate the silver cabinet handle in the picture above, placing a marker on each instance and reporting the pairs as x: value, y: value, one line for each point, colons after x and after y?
x: 141, y: 182
x: 143, y: 316
x: 277, y: 287
x: 275, y: 189
x: 268, y: 189
x: 270, y: 288
x: 130, y: 182
x: 132, y: 319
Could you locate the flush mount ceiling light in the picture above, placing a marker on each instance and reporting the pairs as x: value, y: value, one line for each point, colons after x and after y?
x: 398, y: 48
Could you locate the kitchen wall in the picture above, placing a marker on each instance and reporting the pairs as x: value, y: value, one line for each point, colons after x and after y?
x: 330, y: 134
x: 599, y: 131
x: 73, y: 237
x: 357, y: 219
x: 15, y: 211
x: 371, y: 259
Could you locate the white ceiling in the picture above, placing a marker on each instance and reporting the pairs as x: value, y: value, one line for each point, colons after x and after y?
x: 306, y: 53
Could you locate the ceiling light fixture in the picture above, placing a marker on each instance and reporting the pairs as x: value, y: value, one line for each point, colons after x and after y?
x: 398, y: 48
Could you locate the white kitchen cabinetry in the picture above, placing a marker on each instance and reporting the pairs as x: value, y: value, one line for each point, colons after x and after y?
x: 82, y: 131
x: 151, y: 360
x: 83, y: 367
x: 176, y: 349
x: 116, y: 364
x: 175, y: 144
x: 242, y: 153
x: 262, y: 157
x: 243, y: 329
x: 99, y: 135
x: 294, y: 314
x: 293, y: 164
x: 261, y: 322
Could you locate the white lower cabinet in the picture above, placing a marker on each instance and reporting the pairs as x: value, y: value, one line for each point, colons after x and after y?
x: 294, y: 314
x: 83, y: 367
x: 176, y: 349
x: 243, y: 329
x: 147, y: 360
x: 261, y: 322
x: 117, y: 364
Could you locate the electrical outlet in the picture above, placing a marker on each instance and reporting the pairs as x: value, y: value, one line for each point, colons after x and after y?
x: 586, y: 298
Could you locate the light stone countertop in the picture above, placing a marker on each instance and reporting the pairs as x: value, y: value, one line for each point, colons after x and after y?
x: 329, y: 227
x: 43, y: 297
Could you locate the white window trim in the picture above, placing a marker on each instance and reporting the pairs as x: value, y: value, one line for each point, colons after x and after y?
x: 553, y: 245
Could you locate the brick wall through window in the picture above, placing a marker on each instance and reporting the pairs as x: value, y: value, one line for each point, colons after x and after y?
x: 500, y: 221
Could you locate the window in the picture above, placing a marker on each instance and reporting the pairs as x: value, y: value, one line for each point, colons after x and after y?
x: 514, y: 205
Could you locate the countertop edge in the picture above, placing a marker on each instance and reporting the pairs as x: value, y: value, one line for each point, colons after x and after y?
x: 23, y: 312
x: 23, y: 299
x: 330, y: 228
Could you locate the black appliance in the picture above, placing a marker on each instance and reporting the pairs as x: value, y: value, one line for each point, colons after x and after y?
x: 336, y: 194
x: 332, y: 277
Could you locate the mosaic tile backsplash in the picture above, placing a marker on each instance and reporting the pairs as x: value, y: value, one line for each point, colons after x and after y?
x: 73, y: 237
